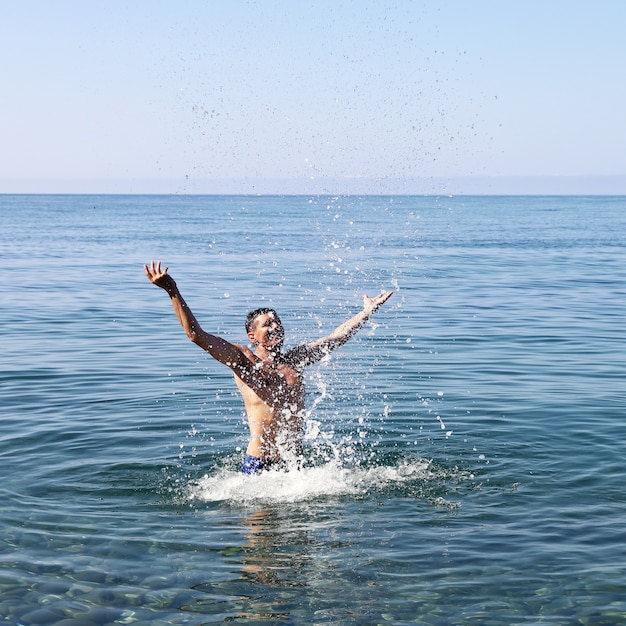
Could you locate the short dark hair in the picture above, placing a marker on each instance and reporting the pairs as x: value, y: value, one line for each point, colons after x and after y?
x: 254, y: 314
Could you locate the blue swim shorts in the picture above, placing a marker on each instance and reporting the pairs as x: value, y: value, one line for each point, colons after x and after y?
x: 255, y: 465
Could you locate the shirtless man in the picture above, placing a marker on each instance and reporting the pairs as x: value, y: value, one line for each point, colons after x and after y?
x: 270, y: 381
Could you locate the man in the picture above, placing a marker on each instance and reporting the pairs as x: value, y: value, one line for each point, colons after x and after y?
x: 270, y: 381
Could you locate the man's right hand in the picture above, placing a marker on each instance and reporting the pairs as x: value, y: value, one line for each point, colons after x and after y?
x: 158, y: 276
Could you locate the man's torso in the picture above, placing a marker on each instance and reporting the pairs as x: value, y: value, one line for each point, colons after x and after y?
x: 276, y: 421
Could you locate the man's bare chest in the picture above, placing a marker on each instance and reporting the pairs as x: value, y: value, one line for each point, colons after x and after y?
x: 277, y: 382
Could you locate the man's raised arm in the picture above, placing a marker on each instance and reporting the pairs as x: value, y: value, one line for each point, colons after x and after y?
x: 225, y: 352
x: 317, y: 350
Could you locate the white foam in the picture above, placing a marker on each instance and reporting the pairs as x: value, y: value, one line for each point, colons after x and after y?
x: 329, y: 480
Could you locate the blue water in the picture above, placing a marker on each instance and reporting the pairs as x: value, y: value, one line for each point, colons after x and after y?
x: 465, y: 452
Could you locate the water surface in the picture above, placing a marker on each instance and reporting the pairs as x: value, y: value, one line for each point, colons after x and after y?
x: 465, y: 452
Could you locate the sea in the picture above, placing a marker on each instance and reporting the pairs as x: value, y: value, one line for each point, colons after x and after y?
x: 465, y: 452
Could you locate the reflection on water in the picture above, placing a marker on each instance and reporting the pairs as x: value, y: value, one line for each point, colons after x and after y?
x: 270, y: 569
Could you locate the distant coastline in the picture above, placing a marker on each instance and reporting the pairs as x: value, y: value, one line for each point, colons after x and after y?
x: 458, y: 185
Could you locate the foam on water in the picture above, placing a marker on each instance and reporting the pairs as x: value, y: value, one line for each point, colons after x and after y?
x: 329, y: 480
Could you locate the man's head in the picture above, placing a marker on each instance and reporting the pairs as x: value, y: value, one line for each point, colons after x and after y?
x: 265, y: 328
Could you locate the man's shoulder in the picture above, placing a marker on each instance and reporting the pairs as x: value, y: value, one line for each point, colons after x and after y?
x: 247, y: 352
x: 301, y: 356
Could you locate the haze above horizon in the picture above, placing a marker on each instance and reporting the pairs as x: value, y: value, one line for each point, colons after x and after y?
x: 325, y: 97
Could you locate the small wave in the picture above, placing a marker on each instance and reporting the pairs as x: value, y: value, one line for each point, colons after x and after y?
x: 326, y: 481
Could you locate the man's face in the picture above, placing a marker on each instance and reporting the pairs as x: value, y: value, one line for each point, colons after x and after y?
x: 267, y: 331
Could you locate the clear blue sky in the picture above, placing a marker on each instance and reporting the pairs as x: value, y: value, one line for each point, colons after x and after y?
x: 181, y: 96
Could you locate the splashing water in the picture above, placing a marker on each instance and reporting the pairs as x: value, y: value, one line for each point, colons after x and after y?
x: 343, y: 460
x: 414, y: 477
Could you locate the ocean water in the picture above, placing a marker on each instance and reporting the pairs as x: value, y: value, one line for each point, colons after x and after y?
x: 465, y: 453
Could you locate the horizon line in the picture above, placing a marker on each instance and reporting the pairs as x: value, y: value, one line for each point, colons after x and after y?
x: 500, y: 185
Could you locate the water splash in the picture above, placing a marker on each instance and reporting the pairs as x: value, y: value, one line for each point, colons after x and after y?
x: 413, y: 477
